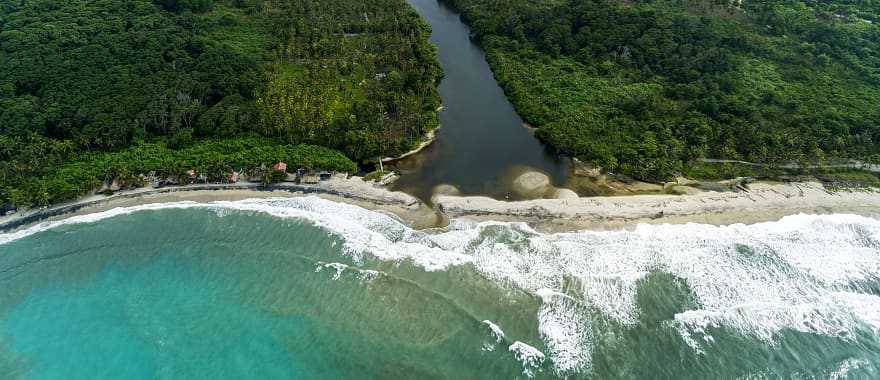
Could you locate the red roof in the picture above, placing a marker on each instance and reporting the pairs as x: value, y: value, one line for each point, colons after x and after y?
x: 280, y: 166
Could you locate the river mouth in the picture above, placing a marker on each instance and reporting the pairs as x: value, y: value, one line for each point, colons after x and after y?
x: 483, y: 143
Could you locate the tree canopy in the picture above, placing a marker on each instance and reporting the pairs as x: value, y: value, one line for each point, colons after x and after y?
x: 646, y: 87
x: 86, y: 77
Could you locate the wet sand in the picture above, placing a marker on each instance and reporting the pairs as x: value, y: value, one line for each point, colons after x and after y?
x: 763, y: 202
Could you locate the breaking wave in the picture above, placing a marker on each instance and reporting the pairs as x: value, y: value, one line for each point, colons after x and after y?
x: 806, y: 273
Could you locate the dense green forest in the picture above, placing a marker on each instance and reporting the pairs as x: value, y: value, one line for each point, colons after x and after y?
x: 92, y: 90
x: 646, y: 88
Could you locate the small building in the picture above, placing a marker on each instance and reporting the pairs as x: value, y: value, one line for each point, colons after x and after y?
x: 233, y: 177
x: 192, y: 175
x: 280, y: 166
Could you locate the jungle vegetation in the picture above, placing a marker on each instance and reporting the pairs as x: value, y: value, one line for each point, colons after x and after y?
x: 93, y: 90
x: 649, y: 87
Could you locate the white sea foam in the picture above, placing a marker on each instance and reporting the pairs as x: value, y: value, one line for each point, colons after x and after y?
x: 568, y: 337
x: 368, y: 274
x: 89, y: 218
x: 496, y: 331
x: 530, y: 357
x: 844, y: 367
x: 338, y: 267
x: 803, y: 273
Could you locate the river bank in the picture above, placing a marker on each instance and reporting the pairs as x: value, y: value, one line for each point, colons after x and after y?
x: 762, y: 202
x: 482, y: 139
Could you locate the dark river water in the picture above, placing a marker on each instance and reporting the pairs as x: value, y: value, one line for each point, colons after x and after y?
x: 482, y: 144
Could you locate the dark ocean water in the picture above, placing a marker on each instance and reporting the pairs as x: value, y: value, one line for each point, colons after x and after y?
x: 308, y: 288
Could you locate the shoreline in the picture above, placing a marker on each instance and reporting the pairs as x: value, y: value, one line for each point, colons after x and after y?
x: 353, y: 191
x: 762, y: 203
x: 428, y: 139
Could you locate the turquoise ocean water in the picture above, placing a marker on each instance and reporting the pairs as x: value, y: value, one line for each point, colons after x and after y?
x: 306, y: 288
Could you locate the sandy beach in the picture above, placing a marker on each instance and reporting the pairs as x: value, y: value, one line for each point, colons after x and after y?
x: 369, y: 195
x: 763, y: 202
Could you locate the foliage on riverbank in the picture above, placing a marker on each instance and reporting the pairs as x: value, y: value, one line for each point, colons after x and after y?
x: 647, y: 87
x: 84, y: 78
x: 832, y: 177
x: 215, y: 159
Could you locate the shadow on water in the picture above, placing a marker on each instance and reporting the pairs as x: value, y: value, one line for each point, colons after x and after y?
x: 482, y: 143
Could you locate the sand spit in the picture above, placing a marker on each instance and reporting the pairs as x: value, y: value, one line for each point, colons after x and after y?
x: 762, y: 202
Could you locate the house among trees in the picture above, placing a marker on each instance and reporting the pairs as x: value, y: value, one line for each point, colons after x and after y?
x: 233, y: 177
x: 281, y: 166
